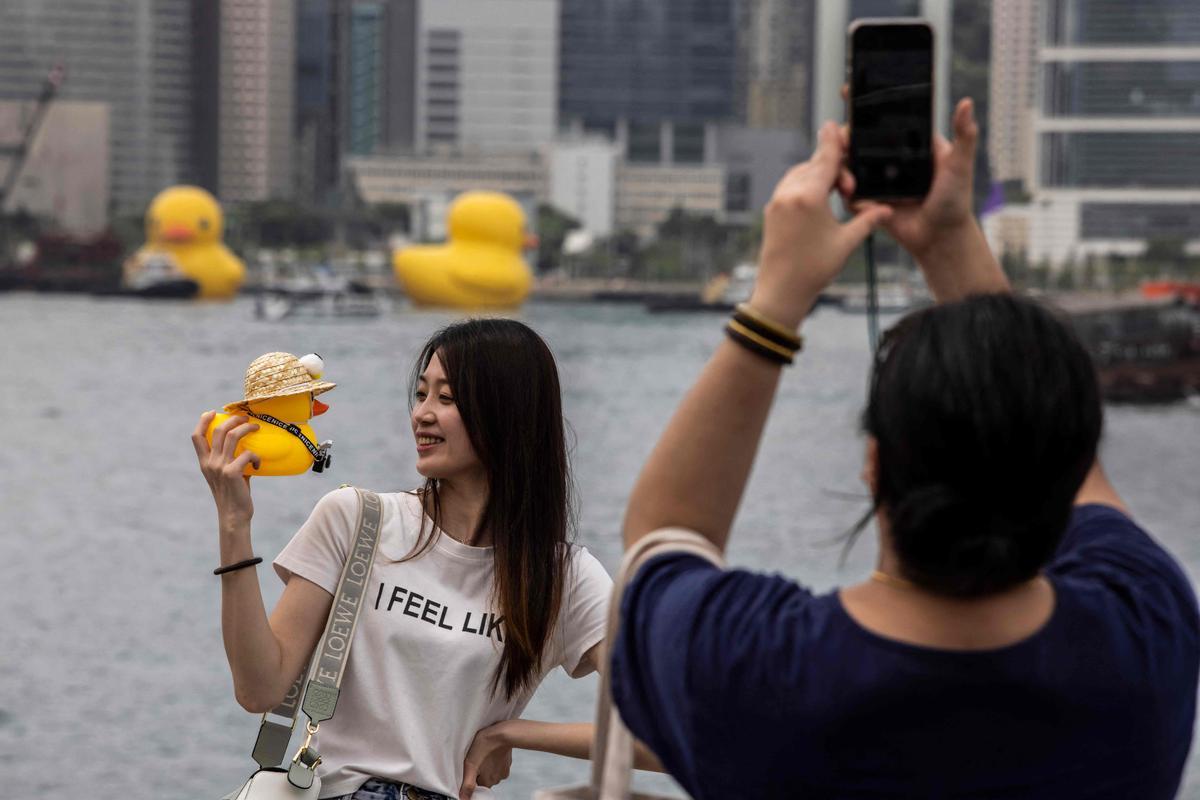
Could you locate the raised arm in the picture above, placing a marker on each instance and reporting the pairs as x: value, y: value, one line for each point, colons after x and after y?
x: 265, y: 655
x: 696, y: 473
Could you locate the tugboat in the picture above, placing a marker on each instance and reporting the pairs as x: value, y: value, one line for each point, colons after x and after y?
x: 1146, y: 349
x: 157, y: 276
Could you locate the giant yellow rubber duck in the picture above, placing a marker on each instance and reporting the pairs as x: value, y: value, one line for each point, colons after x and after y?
x: 480, y: 266
x: 183, y: 233
x: 281, y: 397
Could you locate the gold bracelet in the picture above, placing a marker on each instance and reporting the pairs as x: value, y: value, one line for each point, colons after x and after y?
x: 795, y: 340
x: 778, y: 349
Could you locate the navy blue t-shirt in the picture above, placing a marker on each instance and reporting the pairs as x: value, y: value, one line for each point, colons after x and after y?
x: 748, y: 685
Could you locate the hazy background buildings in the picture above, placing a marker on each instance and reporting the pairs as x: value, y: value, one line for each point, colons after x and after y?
x: 613, y: 114
x: 134, y: 56
x: 1095, y: 127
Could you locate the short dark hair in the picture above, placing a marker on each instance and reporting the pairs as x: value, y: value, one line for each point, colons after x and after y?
x: 987, y: 416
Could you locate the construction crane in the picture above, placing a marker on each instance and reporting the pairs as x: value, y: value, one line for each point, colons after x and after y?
x: 19, y: 152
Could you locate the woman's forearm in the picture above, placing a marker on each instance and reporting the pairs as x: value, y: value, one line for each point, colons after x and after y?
x: 571, y: 739
x: 697, y: 472
x: 250, y: 645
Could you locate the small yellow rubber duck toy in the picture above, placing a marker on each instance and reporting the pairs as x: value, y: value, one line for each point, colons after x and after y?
x: 184, y: 224
x: 480, y: 266
x: 281, y: 392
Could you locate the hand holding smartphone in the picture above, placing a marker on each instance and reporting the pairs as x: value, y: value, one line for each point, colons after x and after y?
x: 891, y: 108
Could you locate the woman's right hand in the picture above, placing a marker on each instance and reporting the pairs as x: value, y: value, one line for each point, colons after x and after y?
x: 230, y: 488
x: 941, y: 232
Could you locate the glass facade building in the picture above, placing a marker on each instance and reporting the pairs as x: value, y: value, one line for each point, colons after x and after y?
x: 364, y: 116
x: 1117, y: 126
x: 647, y: 61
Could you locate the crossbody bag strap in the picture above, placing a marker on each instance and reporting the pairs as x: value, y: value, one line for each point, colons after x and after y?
x: 329, y: 659
x: 612, y: 746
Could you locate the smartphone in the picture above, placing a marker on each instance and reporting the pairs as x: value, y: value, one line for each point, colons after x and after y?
x: 890, y: 65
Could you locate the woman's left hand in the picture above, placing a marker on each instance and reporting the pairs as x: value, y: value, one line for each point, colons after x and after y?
x: 488, y: 760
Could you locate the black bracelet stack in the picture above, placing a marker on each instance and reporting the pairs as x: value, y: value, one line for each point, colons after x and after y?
x: 249, y: 562
x: 763, y: 336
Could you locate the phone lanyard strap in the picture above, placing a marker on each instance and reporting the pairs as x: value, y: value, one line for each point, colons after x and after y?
x: 320, y: 454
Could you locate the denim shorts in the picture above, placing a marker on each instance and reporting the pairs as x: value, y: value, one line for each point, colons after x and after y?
x: 376, y: 789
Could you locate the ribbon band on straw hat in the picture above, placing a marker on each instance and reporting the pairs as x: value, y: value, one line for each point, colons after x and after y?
x: 281, y: 375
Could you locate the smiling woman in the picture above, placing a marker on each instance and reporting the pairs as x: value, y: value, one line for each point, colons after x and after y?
x: 477, y: 593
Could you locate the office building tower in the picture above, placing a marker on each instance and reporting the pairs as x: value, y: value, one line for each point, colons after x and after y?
x: 1011, y: 90
x: 355, y: 87
x: 775, y: 52
x: 486, y: 75
x: 640, y: 63
x: 245, y: 74
x: 317, y: 136
x: 377, y: 73
x: 1116, y: 127
x: 135, y: 56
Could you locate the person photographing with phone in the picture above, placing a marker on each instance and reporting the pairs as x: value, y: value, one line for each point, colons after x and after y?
x: 1021, y: 636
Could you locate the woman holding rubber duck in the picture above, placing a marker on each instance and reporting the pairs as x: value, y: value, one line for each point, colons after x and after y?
x: 476, y: 592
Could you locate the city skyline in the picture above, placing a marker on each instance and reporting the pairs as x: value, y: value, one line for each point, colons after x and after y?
x: 617, y: 112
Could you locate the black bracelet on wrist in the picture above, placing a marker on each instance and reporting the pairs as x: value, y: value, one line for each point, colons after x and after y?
x: 757, y: 345
x: 774, y: 332
x: 249, y: 562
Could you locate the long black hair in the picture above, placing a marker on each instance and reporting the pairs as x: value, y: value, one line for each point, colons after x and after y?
x: 987, y: 417
x: 505, y: 384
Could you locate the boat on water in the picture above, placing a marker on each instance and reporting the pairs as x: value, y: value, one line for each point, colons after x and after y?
x: 157, y: 277
x: 1146, y: 348
x: 890, y: 299
x: 317, y: 291
x: 58, y: 262
x: 722, y: 293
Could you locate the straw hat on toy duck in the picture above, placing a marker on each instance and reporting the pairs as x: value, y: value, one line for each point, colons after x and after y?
x: 281, y: 394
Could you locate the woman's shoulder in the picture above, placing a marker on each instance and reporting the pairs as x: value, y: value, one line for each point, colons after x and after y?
x: 585, y: 571
x: 341, y: 506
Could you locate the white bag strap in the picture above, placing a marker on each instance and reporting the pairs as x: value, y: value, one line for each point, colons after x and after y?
x: 612, y: 746
x: 333, y: 650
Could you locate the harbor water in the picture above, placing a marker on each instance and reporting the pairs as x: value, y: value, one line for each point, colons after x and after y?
x: 115, y: 683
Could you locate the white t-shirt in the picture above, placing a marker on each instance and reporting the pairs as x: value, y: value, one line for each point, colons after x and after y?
x: 417, y: 685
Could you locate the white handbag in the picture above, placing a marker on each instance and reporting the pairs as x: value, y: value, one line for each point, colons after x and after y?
x: 271, y: 783
x: 612, y: 745
x: 299, y: 781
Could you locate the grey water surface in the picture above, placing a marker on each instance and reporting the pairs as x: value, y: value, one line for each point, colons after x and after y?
x: 114, y: 677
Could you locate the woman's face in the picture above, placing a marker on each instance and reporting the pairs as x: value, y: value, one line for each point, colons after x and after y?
x: 444, y: 450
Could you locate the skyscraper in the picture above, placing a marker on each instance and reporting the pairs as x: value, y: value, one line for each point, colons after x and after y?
x: 1011, y: 89
x: 133, y: 55
x: 775, y: 52
x: 486, y: 75
x: 355, y: 86
x: 1115, y: 127
x: 249, y: 46
x: 647, y: 62
x: 317, y: 137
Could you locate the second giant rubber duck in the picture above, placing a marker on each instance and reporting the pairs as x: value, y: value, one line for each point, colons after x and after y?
x: 281, y: 397
x: 183, y: 231
x: 480, y: 266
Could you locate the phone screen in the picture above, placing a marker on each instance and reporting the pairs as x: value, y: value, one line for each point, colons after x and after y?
x: 891, y: 110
